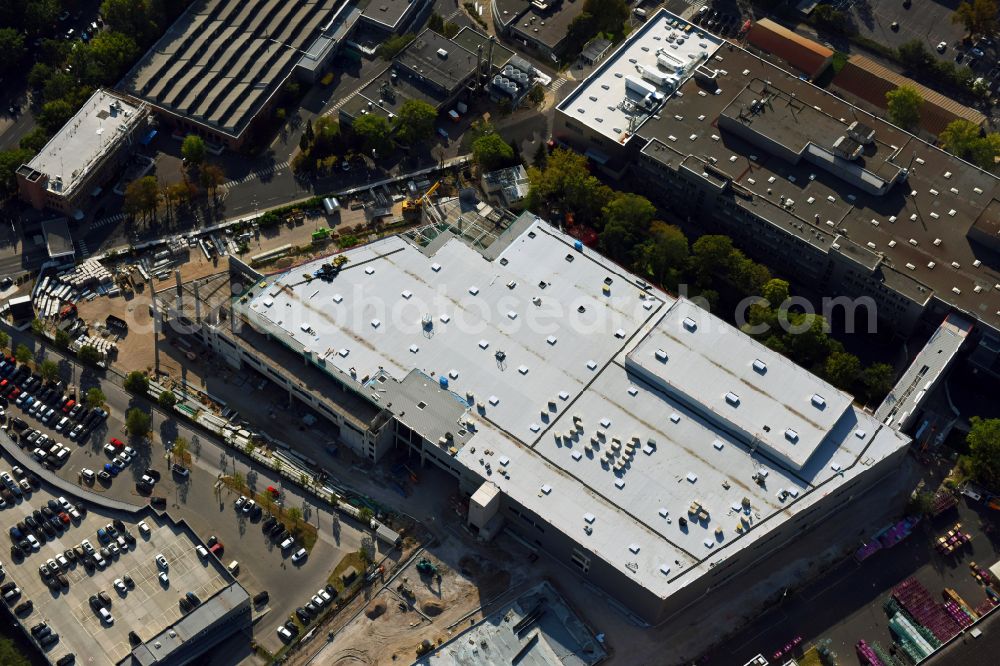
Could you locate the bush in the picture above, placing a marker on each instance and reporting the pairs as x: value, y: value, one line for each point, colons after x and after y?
x: 166, y: 399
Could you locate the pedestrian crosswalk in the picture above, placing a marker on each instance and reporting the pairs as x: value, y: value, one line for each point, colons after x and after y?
x: 558, y: 83
x: 342, y: 101
x: 105, y: 221
x: 84, y: 251
x: 259, y: 173
x: 455, y: 13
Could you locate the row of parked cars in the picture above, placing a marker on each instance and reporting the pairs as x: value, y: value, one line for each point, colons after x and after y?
x: 44, y: 524
x: 310, y: 611
x: 278, y: 534
x: 14, y: 489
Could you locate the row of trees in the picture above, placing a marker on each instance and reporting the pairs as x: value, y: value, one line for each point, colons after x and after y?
x: 324, y: 144
x: 630, y: 233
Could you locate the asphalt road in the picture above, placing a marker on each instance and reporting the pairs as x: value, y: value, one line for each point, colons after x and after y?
x: 197, y: 501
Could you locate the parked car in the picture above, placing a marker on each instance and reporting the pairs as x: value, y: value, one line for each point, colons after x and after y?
x: 299, y: 555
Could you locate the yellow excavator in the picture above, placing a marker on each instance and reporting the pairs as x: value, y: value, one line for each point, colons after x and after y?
x: 412, y: 207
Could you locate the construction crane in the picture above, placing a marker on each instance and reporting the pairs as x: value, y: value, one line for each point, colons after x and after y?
x: 412, y: 207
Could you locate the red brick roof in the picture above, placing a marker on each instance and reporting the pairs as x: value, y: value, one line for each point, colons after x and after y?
x: 802, y: 53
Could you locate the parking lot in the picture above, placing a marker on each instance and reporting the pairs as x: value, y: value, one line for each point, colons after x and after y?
x: 146, y: 609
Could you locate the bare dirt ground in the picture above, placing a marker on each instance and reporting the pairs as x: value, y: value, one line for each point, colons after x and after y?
x: 393, y: 622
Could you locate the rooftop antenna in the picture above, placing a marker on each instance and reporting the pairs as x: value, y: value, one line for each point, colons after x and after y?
x: 501, y: 357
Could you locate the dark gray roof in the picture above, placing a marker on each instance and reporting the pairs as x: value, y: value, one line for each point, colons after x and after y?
x: 438, y: 60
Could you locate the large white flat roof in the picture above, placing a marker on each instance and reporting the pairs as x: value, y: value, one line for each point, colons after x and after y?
x: 666, y: 47
x: 761, y: 397
x: 571, y: 383
x: 83, y: 141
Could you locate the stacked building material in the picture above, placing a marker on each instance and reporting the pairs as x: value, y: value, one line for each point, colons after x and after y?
x: 867, y: 655
x: 917, y: 602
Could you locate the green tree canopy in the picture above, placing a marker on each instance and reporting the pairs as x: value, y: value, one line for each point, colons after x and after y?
x: 49, y: 370
x: 626, y: 221
x: 808, y: 338
x: 842, y: 369
x: 137, y: 422
x: 664, y: 253
x: 776, y: 292
x: 984, y: 451
x: 95, y: 397
x: 491, y: 152
x: 10, y: 160
x: 4, y: 339
x: 62, y: 338
x: 904, y: 106
x: 391, y: 47
x: 566, y: 186
x: 34, y: 140
x: 111, y: 53
x: 712, y: 255
x: 978, y: 16
x: 374, y: 132
x: 136, y: 382
x: 89, y: 355
x: 414, y: 122
x: 12, y: 46
x: 22, y: 354
x: 166, y: 399
x: 137, y: 18
x: 967, y: 140
x: 54, y: 114
x: 877, y: 379
x: 142, y: 196
x: 193, y: 149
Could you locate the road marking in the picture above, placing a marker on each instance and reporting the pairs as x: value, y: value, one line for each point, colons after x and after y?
x: 343, y: 101
x: 453, y: 14
x: 558, y: 83
x: 259, y: 173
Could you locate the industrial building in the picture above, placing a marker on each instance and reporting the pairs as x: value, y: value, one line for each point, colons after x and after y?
x: 638, y: 439
x: 69, y: 172
x: 540, y: 26
x: 220, y: 66
x: 442, y: 72
x: 811, y: 185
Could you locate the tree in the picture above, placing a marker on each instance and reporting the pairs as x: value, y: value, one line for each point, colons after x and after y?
x: 436, y: 23
x: 34, y: 140
x: 626, y: 219
x: 414, y: 122
x: 294, y: 514
x: 193, y: 149
x: 842, y: 369
x: 54, y: 114
x: 166, y: 399
x: 877, y: 379
x: 391, y: 47
x: 137, y: 422
x: 712, y: 255
x: 365, y: 516
x: 4, y: 339
x: 536, y: 95
x: 95, y: 397
x: 565, y: 186
x: 142, y: 196
x: 776, y: 292
x: 22, y: 354
x: 49, y: 370
x: 598, y: 17
x: 832, y: 19
x: 663, y: 254
x: 491, y: 152
x: 10, y: 161
x: 89, y: 355
x: 978, y: 16
x: 136, y: 382
x: 914, y: 55
x: 37, y: 326
x: 984, y: 451
x: 138, y: 18
x: 374, y: 132
x: 111, y: 54
x: 212, y: 177
x: 13, y: 49
x: 10, y: 655
x: 904, y: 106
x: 966, y: 140
x: 179, y: 451
x: 62, y: 338
x: 808, y: 338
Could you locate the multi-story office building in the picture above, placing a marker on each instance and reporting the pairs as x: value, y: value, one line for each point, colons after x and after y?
x: 807, y: 183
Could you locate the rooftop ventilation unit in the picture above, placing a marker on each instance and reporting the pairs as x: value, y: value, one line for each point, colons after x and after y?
x: 759, y: 366
x: 690, y: 324
x: 733, y: 399
x: 442, y: 53
x: 791, y: 435
x: 818, y: 401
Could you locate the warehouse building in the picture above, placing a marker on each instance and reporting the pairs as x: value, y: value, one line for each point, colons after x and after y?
x: 221, y: 65
x: 70, y: 171
x: 541, y: 26
x: 814, y: 187
x: 640, y: 440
